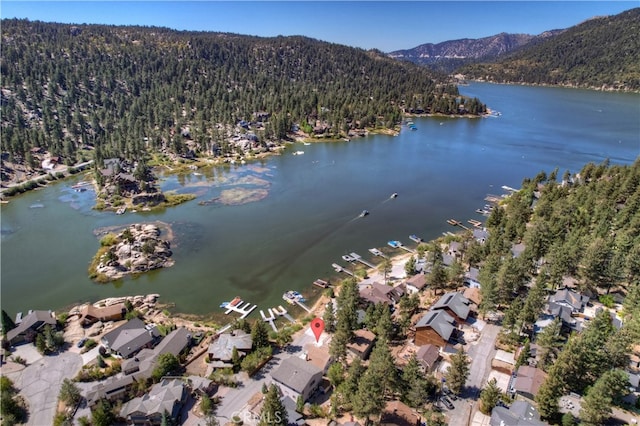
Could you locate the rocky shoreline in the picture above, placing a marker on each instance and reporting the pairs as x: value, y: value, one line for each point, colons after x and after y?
x: 138, y: 248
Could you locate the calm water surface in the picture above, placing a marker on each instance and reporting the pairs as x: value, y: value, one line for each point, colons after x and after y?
x: 308, y: 218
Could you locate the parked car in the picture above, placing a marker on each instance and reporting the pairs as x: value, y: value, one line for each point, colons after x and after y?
x: 448, y: 393
x: 82, y: 342
x: 447, y: 403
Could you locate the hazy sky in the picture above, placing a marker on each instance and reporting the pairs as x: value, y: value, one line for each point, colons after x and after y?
x: 385, y: 25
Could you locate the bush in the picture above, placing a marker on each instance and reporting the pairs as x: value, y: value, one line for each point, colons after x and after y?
x: 108, y: 240
x: 88, y: 345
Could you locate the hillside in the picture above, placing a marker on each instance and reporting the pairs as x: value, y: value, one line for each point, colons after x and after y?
x: 452, y: 54
x: 601, y: 53
x: 83, y: 91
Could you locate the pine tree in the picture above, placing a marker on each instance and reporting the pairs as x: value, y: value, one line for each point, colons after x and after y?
x: 260, y: 334
x: 273, y: 411
x: 458, y: 372
x: 489, y: 397
x: 69, y: 393
x: 550, y: 342
x: 7, y: 322
x: 329, y: 318
x: 414, y: 385
x: 598, y: 402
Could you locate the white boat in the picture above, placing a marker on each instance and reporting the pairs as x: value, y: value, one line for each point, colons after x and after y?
x: 298, y: 153
x: 364, y: 213
x: 121, y: 210
x: 394, y: 195
x: 415, y: 238
x: 347, y: 258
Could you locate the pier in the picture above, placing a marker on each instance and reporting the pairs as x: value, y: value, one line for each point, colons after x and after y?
x: 357, y: 258
x: 321, y: 283
x: 270, y: 319
x: 475, y: 223
x: 454, y: 222
x: 243, y: 308
x: 493, y: 198
x: 339, y: 268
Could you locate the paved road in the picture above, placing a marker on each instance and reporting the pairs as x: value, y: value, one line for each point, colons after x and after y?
x: 481, y: 354
x: 40, y: 384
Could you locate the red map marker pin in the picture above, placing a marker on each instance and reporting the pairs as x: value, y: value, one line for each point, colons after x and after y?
x: 317, y: 326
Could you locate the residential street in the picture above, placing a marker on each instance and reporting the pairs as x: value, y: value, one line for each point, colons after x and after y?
x: 481, y: 353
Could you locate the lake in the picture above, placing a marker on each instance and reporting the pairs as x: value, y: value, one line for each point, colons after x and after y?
x: 305, y: 216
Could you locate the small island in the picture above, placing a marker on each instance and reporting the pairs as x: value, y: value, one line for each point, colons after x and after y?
x: 135, y: 250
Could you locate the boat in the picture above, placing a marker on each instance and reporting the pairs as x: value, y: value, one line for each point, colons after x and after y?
x: 292, y: 297
x: 394, y: 244
x: 307, y: 143
x: 298, y: 153
x: 224, y: 304
x: 121, y: 210
x: 394, y: 195
x: 236, y: 300
x: 347, y: 258
x: 415, y: 238
x: 364, y: 213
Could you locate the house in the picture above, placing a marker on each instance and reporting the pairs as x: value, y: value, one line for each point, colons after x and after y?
x: 416, y: 283
x: 129, y: 338
x: 455, y: 249
x: 436, y: 328
x: 168, y: 397
x: 527, y: 381
x: 474, y: 295
x: 296, y: 377
x: 552, y: 311
x: 361, y: 344
x: 471, y: 278
x: 221, y: 349
x: 29, y: 326
x: 571, y: 299
x: 520, y: 413
x: 481, y: 235
x: 379, y: 293
x: 399, y: 414
x: 113, y: 388
x: 318, y: 356
x: 145, y: 361
x: 428, y: 357
x: 90, y: 314
x: 111, y: 167
x: 455, y: 304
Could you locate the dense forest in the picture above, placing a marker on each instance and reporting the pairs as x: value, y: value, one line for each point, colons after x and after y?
x: 582, y: 230
x: 601, y: 53
x: 126, y: 90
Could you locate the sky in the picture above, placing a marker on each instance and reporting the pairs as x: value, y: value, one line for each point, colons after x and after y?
x: 384, y: 25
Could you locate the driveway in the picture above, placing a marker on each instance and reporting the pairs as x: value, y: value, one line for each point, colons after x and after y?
x: 40, y: 384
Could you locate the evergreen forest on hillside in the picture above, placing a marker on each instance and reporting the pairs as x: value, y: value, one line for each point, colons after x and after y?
x: 124, y: 91
x: 601, y: 53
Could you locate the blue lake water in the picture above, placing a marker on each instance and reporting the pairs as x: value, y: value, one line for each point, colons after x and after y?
x: 308, y: 217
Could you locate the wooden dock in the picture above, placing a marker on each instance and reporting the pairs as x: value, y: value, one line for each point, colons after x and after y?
x: 243, y: 308
x: 356, y: 257
x: 302, y: 305
x: 339, y: 268
x: 403, y: 247
x: 321, y: 283
x: 454, y: 222
x: 475, y: 223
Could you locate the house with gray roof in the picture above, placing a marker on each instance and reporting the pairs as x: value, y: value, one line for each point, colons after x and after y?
x: 128, y: 339
x: 113, y: 388
x: 375, y: 293
x: 436, y: 327
x: 29, y: 326
x: 221, y: 349
x: 520, y: 413
x: 168, y: 396
x: 571, y: 299
x: 145, y: 361
x: 481, y: 235
x: 297, y: 377
x: 455, y: 304
x: 428, y: 357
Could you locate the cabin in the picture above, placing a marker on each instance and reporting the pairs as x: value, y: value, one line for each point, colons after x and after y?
x: 221, y: 350
x: 436, y: 328
x: 416, y: 283
x: 361, y: 344
x: 90, y: 314
x: 428, y: 357
x: 455, y: 304
x: 527, y: 381
x: 571, y: 299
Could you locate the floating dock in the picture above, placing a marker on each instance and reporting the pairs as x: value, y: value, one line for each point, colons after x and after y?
x: 475, y: 223
x: 415, y: 238
x: 243, y: 308
x: 302, y: 305
x: 357, y: 258
x: 321, y: 283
